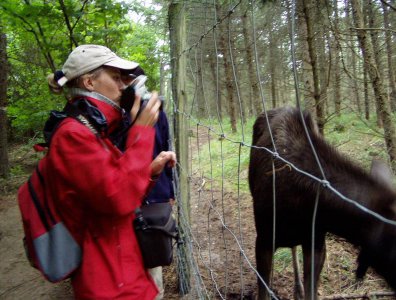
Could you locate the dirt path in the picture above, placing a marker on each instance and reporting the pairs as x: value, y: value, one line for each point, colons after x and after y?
x: 18, y: 280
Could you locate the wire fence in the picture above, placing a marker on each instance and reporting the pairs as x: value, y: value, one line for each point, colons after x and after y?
x: 216, y: 259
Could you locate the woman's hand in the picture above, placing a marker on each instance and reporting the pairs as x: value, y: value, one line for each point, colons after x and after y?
x: 149, y: 114
x: 162, y: 159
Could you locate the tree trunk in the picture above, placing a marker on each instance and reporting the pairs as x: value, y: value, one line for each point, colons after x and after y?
x: 336, y: 66
x: 389, y: 51
x: 254, y: 101
x: 355, y: 95
x: 368, y: 20
x: 378, y: 87
x: 309, y: 102
x: 355, y: 82
x: 236, y: 74
x: 4, y: 162
x: 272, y: 68
x: 214, y: 71
x: 229, y: 82
x: 214, y: 65
x: 312, y: 50
x: 200, y: 93
x: 162, y: 77
x: 366, y: 98
x: 321, y: 34
x: 284, y: 90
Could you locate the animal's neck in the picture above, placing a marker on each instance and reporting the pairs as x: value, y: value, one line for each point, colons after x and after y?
x: 348, y: 220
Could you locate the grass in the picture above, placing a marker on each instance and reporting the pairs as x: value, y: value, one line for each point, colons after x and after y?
x: 22, y: 160
x: 360, y: 139
x: 219, y: 158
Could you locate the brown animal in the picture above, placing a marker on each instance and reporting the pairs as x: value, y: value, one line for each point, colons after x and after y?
x: 296, y: 193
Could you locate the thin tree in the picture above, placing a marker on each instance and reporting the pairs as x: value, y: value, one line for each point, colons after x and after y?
x: 308, y: 15
x: 353, y: 55
x: 336, y: 49
x: 4, y: 162
x: 227, y: 70
x: 321, y: 34
x: 369, y: 20
x: 378, y: 86
x: 254, y: 96
x: 389, y: 51
x: 304, y: 56
x: 273, y: 62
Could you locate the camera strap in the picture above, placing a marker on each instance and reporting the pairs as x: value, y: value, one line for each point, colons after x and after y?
x: 118, y: 137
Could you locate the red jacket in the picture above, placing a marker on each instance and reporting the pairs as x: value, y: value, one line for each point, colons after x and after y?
x: 98, y: 189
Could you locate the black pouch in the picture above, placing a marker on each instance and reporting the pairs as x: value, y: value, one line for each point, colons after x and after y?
x: 155, y: 229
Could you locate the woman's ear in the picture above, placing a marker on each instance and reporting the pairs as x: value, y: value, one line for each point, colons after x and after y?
x: 87, y: 83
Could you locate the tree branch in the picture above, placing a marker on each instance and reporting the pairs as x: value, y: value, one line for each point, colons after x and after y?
x: 44, y: 48
x: 67, y: 21
x: 29, y: 28
x: 79, y: 17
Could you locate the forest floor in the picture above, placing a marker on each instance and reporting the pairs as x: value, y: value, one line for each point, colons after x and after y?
x: 18, y: 280
x: 226, y: 265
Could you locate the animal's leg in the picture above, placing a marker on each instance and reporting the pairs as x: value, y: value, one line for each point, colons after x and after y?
x: 311, y: 293
x: 264, y: 255
x: 362, y: 265
x: 298, y: 286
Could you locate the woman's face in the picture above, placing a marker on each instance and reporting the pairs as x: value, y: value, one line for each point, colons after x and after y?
x: 108, y: 83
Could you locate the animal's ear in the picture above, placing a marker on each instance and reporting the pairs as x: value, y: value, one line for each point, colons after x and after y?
x: 261, y: 124
x: 381, y: 171
x: 310, y: 122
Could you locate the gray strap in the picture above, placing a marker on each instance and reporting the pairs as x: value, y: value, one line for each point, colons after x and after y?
x: 84, y: 120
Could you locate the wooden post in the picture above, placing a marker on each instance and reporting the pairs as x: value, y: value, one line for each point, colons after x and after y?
x: 177, y: 28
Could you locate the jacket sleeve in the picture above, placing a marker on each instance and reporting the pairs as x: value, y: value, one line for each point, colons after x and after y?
x: 96, y: 173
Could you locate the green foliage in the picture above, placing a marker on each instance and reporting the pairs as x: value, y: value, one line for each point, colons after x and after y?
x: 141, y: 46
x: 41, y: 34
x: 17, y: 171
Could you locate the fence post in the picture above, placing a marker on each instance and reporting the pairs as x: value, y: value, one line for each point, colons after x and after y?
x: 177, y: 29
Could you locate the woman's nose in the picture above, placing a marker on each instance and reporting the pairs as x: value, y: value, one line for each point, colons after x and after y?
x: 121, y: 85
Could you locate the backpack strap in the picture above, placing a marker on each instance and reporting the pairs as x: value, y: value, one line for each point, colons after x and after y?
x: 90, y: 112
x: 82, y: 111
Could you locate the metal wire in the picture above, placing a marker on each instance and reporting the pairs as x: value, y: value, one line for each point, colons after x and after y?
x: 205, y: 281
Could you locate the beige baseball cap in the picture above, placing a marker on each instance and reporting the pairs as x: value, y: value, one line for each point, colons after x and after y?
x: 86, y: 58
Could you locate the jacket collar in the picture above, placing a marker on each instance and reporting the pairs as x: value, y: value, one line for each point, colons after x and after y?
x: 111, y: 110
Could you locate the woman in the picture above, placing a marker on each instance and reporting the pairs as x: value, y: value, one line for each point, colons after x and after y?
x: 98, y: 187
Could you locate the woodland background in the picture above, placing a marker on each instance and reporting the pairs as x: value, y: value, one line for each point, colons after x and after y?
x: 335, y: 58
x: 345, y: 57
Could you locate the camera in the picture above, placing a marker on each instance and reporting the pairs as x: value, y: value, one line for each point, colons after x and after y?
x: 141, y: 89
x: 138, y: 87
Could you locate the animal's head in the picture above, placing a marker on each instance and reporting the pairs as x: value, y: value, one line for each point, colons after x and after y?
x: 380, y: 253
